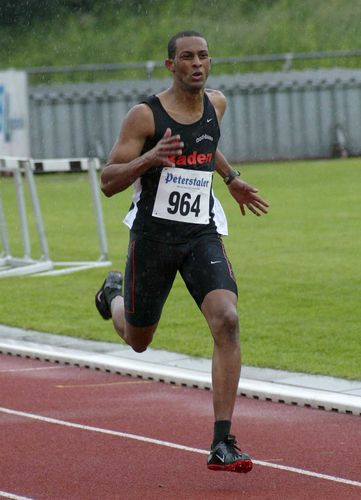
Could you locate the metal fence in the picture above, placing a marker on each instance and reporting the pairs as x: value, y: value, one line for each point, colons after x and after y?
x: 286, y: 61
x: 295, y: 114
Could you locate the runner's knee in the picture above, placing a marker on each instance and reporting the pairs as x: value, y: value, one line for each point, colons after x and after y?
x: 225, y: 326
x: 139, y: 338
x: 139, y: 349
x: 138, y: 344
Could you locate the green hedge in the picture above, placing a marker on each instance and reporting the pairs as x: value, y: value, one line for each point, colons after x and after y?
x: 72, y: 32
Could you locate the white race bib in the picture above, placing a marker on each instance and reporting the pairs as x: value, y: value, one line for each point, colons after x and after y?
x: 183, y: 195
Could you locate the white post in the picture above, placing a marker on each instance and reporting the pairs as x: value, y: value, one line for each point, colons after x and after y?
x: 44, y: 266
x: 36, y: 209
x: 5, y: 254
x: 98, y: 209
x: 19, y: 266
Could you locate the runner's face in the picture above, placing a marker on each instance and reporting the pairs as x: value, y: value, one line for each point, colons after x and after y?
x: 192, y: 62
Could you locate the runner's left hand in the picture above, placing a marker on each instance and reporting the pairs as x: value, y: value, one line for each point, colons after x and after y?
x: 246, y: 196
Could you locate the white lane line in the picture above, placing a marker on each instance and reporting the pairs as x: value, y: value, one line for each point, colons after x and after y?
x: 10, y: 370
x: 168, y: 444
x: 105, y: 384
x: 5, y: 494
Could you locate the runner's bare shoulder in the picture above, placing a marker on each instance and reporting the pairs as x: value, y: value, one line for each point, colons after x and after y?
x: 219, y: 101
x: 139, y: 120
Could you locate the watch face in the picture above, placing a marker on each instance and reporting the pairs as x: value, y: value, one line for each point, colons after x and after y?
x: 228, y: 178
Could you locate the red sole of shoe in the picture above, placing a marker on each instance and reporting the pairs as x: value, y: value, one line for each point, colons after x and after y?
x: 239, y: 466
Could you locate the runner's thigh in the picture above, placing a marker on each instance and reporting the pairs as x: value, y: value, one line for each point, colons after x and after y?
x: 207, y: 268
x: 149, y: 274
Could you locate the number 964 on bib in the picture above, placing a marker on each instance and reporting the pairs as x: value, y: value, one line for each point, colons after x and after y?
x: 183, y: 195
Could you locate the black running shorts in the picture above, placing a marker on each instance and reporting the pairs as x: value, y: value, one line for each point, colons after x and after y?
x: 152, y: 266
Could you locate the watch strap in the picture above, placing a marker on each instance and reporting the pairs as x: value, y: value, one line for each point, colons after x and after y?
x: 229, y: 177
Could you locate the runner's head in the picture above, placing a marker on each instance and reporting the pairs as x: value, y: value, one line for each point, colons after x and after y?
x: 172, y: 44
x: 188, y: 60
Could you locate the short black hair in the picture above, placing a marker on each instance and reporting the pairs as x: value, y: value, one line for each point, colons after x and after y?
x: 172, y: 42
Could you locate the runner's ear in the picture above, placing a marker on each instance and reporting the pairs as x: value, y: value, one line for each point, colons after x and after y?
x: 169, y: 64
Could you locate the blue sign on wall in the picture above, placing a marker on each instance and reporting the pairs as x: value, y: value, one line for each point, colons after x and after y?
x: 14, y: 123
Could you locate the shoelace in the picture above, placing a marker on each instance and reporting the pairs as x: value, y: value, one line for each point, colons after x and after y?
x: 231, y: 440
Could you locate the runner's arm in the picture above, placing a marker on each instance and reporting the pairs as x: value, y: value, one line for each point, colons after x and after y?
x: 244, y: 194
x: 126, y: 163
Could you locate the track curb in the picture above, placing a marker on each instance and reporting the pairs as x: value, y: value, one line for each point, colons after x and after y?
x: 256, y: 389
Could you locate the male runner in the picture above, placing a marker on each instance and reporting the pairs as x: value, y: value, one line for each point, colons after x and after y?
x: 167, y: 149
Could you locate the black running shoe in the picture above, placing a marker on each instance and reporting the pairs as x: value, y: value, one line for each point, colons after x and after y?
x: 111, y: 287
x: 226, y: 456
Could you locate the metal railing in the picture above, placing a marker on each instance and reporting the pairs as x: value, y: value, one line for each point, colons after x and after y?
x: 286, y: 59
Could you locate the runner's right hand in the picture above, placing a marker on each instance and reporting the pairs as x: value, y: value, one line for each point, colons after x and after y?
x: 168, y: 147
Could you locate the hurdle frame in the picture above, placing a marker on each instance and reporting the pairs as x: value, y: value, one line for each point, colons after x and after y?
x: 44, y: 266
x: 19, y: 266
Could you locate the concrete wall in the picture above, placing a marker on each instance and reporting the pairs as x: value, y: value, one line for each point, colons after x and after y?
x: 296, y: 114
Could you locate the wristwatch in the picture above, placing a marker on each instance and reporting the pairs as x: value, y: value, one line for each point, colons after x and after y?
x: 229, y: 177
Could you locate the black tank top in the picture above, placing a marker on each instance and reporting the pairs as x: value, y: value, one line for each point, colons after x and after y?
x: 200, y: 144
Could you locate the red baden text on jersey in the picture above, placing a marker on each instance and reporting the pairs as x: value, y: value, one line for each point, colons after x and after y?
x: 191, y: 159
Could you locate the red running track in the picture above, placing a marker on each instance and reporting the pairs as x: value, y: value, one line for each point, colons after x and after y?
x: 74, y: 433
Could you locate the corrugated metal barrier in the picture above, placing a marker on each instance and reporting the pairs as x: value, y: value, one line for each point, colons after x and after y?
x: 296, y: 114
